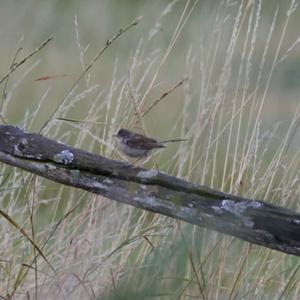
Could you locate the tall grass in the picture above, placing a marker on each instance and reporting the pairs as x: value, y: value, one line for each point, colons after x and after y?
x: 100, y: 249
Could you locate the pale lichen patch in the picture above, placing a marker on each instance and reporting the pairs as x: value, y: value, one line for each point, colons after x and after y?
x: 108, y: 181
x: 150, y: 200
x: 148, y: 173
x: 217, y: 209
x: 239, y: 208
x: 64, y: 157
x: 50, y: 167
x: 248, y: 223
x: 296, y: 221
x: 99, y: 185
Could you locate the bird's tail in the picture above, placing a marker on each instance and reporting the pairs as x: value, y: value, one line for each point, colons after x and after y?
x: 172, y: 141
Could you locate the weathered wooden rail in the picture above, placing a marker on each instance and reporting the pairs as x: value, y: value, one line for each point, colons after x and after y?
x: 250, y: 220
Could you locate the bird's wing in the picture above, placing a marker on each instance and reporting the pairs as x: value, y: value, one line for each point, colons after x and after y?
x: 140, y: 142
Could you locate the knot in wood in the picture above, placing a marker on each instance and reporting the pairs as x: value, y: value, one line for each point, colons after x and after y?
x: 20, y: 146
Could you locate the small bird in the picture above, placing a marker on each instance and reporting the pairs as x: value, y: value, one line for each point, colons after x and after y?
x: 137, y: 145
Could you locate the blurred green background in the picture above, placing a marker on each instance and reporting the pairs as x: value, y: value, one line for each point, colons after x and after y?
x: 34, y: 21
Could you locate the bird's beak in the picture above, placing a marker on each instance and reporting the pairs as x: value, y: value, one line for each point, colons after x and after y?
x: 114, y: 135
